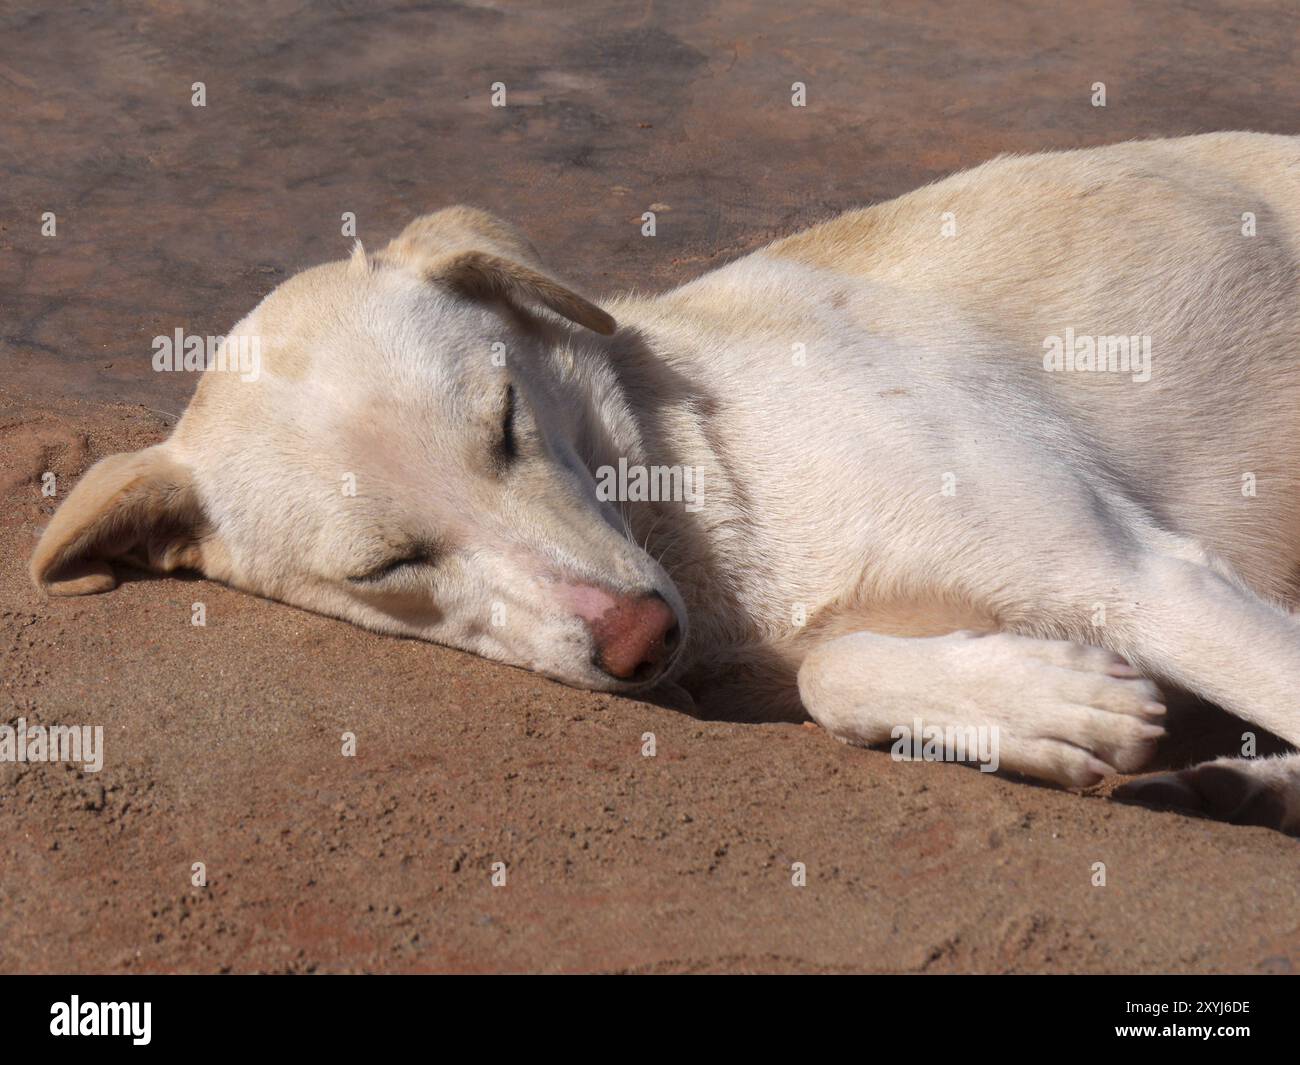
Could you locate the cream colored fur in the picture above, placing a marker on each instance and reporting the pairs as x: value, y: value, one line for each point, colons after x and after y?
x: 904, y: 514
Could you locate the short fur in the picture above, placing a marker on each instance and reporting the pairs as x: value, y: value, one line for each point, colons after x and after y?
x: 904, y: 514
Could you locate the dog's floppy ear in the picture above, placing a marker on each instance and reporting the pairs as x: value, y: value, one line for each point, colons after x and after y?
x: 480, y: 275
x: 140, y: 507
x: 482, y: 257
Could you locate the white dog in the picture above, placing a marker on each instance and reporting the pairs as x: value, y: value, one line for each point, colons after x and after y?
x: 988, y: 455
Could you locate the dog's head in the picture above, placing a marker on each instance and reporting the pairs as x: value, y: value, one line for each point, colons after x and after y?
x: 405, y: 455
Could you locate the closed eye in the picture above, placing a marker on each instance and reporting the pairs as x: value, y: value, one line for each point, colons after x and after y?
x: 418, y: 557
x: 507, y: 446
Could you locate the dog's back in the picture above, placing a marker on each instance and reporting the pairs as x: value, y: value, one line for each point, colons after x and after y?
x: 879, y: 331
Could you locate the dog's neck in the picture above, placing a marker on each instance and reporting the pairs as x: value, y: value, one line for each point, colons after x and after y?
x: 641, y: 401
x: 642, y: 407
x: 636, y: 401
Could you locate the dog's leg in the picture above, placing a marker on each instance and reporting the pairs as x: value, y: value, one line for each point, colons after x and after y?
x: 1187, y: 623
x: 1060, y: 711
x: 1204, y: 632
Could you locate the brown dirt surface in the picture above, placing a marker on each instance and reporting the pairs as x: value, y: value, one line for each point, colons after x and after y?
x: 223, y: 742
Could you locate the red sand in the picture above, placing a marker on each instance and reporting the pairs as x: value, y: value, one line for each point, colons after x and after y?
x: 223, y: 742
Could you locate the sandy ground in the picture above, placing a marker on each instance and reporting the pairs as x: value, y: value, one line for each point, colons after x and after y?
x: 223, y: 743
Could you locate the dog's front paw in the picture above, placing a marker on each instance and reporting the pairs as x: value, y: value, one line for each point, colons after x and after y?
x: 1062, y: 712
x: 1065, y: 712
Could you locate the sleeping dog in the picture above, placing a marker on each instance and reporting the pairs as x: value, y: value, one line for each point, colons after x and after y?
x: 1002, y: 453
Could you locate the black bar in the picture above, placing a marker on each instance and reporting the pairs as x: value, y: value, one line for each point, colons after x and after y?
x: 340, y: 1013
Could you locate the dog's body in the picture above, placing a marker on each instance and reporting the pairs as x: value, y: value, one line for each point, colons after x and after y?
x: 904, y: 514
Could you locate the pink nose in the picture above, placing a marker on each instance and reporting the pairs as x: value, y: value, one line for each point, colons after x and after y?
x: 635, y: 636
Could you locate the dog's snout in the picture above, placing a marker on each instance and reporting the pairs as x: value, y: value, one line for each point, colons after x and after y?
x: 636, y: 637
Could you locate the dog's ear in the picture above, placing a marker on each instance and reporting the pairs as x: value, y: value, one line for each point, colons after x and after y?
x: 479, y: 275
x: 140, y: 507
x: 454, y: 229
x: 482, y: 257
